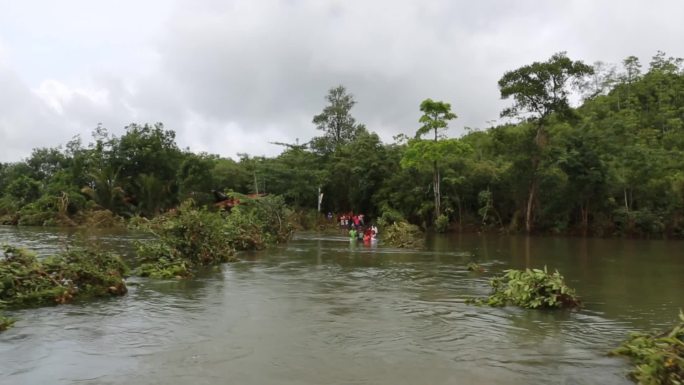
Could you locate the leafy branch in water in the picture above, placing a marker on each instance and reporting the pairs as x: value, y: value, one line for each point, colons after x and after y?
x: 531, y: 289
x: 658, y: 359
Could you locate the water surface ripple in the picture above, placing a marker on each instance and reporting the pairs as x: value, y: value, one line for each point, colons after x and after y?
x: 323, y: 311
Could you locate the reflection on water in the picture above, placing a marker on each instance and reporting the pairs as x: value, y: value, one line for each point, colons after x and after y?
x: 323, y: 311
x: 48, y: 241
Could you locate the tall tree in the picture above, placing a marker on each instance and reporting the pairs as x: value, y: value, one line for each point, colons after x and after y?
x: 435, y: 120
x: 336, y: 122
x: 539, y: 90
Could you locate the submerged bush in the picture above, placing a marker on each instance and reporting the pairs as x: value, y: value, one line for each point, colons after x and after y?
x: 442, y: 223
x: 531, y: 289
x: 658, y: 359
x: 27, y: 281
x: 258, y: 223
x: 185, y: 237
x: 5, y: 323
x: 190, y: 237
x: 475, y: 267
x: 403, y: 234
x: 389, y: 216
x: 102, y: 219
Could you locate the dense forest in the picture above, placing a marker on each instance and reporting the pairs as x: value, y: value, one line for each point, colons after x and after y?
x: 613, y: 164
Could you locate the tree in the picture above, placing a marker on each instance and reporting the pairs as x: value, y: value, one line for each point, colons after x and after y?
x: 436, y: 116
x: 539, y: 90
x: 336, y: 121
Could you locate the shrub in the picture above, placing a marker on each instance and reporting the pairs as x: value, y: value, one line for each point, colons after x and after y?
x: 26, y: 281
x: 5, y: 323
x: 257, y: 223
x: 658, y: 359
x: 190, y: 237
x: 475, y: 267
x: 8, y: 205
x: 101, y: 219
x: 186, y: 237
x: 405, y: 235
x: 531, y: 289
x: 389, y: 216
x: 442, y: 223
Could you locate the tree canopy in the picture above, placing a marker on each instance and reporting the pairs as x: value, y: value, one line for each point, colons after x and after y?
x: 610, y: 165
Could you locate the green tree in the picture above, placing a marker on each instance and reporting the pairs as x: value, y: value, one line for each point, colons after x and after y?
x: 435, y: 120
x: 105, y: 187
x: 336, y: 121
x: 539, y: 90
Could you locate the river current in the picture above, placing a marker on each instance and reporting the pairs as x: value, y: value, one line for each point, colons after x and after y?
x: 322, y: 310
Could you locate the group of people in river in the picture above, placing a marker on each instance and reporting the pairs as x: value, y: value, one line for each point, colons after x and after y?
x: 358, y: 230
x: 367, y: 234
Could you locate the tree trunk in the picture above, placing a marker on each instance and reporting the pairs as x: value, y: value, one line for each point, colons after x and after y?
x: 584, y: 212
x: 626, y: 203
x: 530, y: 204
x: 435, y: 185
x: 540, y: 140
x: 460, y: 214
x: 256, y: 185
x: 320, y: 198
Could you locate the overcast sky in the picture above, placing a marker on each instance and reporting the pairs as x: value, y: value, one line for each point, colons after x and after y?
x: 232, y: 76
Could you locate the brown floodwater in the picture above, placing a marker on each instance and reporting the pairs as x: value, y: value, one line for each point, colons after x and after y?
x: 322, y: 310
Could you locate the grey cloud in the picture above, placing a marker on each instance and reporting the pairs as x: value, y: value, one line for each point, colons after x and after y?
x: 230, y: 76
x: 25, y: 121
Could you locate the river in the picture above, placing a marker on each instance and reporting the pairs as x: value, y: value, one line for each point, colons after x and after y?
x: 323, y: 311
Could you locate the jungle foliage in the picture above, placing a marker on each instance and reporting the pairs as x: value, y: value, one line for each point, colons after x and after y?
x: 658, y: 358
x: 609, y: 165
x: 530, y: 289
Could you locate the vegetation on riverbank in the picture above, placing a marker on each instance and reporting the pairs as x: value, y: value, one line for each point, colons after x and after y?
x: 530, y: 289
x: 190, y: 237
x: 610, y: 166
x: 658, y: 358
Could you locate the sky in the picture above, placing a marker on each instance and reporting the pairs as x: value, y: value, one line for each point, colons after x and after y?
x: 231, y: 77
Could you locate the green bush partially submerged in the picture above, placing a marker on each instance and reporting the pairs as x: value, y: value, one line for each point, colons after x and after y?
x: 475, y: 267
x: 403, y: 234
x: 5, y: 323
x: 27, y: 281
x: 658, y: 359
x: 191, y: 237
x: 531, y: 289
